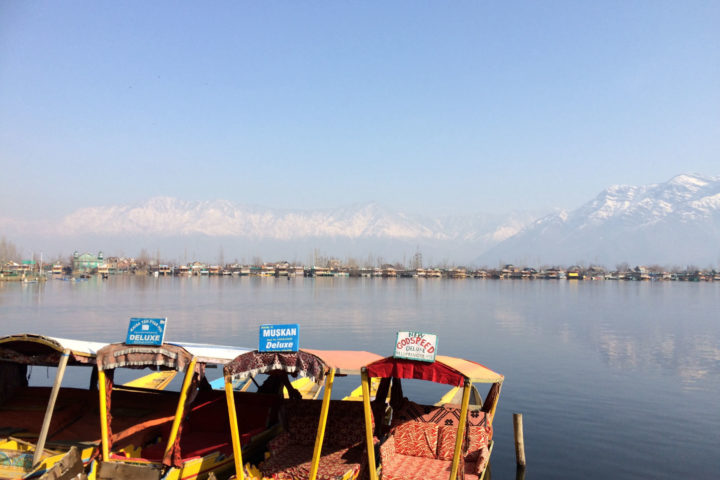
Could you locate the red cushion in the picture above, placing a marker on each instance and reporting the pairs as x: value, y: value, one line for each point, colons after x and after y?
x: 446, y: 442
x: 294, y: 463
x: 402, y: 467
x: 416, y: 439
x: 478, y: 437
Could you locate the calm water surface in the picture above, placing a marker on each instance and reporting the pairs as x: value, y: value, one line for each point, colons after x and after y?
x: 615, y: 379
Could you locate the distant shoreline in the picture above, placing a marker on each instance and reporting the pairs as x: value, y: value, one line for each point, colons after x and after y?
x: 509, y: 272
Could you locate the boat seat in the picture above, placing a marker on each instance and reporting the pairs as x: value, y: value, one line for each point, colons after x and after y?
x: 343, y: 453
x: 421, y: 443
x: 207, y: 428
x: 25, y: 411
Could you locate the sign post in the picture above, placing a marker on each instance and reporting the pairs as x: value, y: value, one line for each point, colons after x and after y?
x: 279, y: 338
x: 146, y: 331
x: 416, y: 346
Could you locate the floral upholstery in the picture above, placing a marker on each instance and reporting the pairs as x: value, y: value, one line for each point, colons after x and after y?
x: 343, y: 447
x: 279, y: 443
x: 302, y: 429
x: 294, y: 463
x: 416, y: 439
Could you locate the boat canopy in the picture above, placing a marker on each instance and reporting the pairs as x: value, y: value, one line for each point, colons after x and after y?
x: 447, y: 370
x: 171, y: 355
x: 313, y: 364
x: 346, y: 362
x: 32, y: 349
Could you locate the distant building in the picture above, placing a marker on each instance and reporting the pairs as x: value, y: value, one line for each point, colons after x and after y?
x: 87, y: 262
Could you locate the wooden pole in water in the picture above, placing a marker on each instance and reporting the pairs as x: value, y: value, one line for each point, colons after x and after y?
x: 519, y: 440
x: 50, y: 407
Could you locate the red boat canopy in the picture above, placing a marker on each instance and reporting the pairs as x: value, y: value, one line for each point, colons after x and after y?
x: 447, y: 370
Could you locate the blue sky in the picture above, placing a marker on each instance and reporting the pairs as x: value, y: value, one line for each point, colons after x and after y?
x: 438, y: 107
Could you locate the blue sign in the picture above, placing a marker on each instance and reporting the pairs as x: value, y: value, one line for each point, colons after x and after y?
x: 279, y: 338
x: 146, y: 331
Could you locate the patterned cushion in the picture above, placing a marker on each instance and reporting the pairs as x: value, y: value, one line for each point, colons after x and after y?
x: 387, y: 450
x: 416, y: 439
x: 447, y: 414
x: 302, y: 429
x: 446, y: 442
x: 479, y: 437
x: 402, y: 467
x: 345, y: 431
x: 295, y: 461
x: 345, y: 424
x: 482, y: 461
x: 279, y: 443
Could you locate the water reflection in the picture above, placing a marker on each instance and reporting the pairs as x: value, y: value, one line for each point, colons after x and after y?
x: 669, y: 328
x: 572, y: 352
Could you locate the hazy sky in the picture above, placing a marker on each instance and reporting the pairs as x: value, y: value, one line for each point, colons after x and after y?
x: 435, y: 107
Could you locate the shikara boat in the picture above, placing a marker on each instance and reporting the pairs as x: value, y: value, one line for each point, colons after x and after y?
x: 302, y: 450
x: 431, y: 442
x: 177, y: 435
x: 38, y: 425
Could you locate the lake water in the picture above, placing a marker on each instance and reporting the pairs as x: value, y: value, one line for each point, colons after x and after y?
x: 614, y: 379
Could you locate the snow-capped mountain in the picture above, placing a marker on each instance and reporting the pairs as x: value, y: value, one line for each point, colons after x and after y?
x: 671, y: 223
x: 172, y: 226
x: 164, y: 216
x: 676, y: 222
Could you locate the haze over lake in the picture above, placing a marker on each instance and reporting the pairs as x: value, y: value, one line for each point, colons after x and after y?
x: 615, y: 379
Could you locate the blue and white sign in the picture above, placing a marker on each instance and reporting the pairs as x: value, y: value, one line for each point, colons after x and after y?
x: 146, y: 331
x: 279, y: 338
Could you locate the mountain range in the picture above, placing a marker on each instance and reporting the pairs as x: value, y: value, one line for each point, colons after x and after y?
x: 676, y: 222
x: 671, y: 223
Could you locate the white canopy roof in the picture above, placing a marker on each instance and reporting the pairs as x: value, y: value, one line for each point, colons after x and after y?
x: 207, y: 353
x: 80, y: 347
